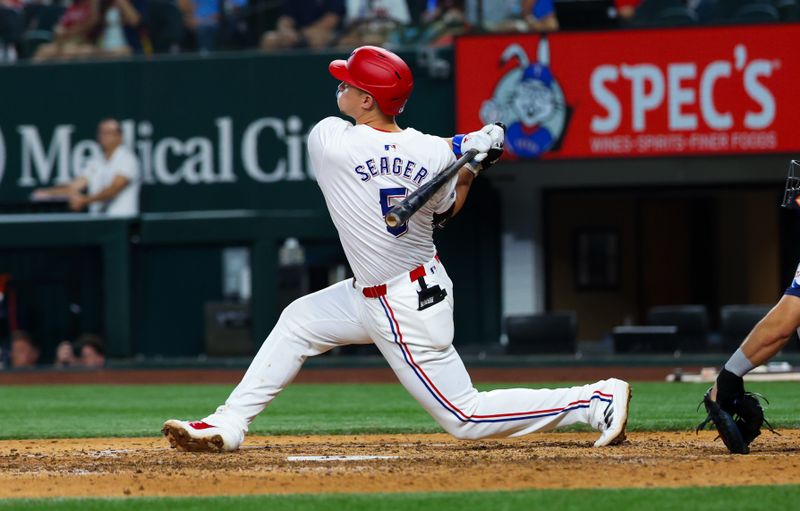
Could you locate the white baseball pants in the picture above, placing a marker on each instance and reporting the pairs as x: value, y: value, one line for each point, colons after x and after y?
x: 418, y: 346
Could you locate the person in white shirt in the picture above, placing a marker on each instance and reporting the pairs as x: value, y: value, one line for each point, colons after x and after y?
x: 108, y: 184
x: 401, y: 298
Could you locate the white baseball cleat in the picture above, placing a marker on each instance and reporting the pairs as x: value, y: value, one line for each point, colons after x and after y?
x: 200, y: 436
x: 615, y: 413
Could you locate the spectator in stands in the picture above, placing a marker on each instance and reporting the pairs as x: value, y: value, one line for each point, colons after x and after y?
x: 539, y: 15
x: 204, y: 19
x: 136, y: 32
x: 92, y: 354
x: 11, y: 28
x: 514, y: 15
x: 442, y: 20
x: 89, y: 350
x: 305, y: 23
x: 76, y: 32
x: 626, y: 9
x: 111, y: 178
x: 372, y: 21
x: 113, y: 40
x: 65, y: 355
x: 24, y: 352
x: 91, y: 28
x: 436, y: 9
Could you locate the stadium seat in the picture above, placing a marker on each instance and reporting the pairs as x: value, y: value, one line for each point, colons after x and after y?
x: 648, y: 12
x: 692, y: 323
x: 676, y: 16
x: 706, y: 11
x: 725, y: 11
x: 10, y: 30
x: 644, y: 339
x: 553, y: 332
x: 582, y: 14
x: 43, y: 17
x: 757, y: 12
x: 39, y: 21
x: 736, y: 321
x: 165, y: 26
x: 788, y: 10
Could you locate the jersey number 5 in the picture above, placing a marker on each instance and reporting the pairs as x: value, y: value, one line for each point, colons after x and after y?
x: 390, y: 197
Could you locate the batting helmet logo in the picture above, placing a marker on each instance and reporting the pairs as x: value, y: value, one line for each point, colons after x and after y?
x: 529, y: 100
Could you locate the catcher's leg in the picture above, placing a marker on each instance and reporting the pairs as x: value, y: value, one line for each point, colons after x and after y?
x: 772, y: 333
x: 737, y: 415
x: 309, y: 326
x: 766, y: 339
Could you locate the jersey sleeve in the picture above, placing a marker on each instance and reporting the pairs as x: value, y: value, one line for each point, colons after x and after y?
x: 128, y: 167
x: 321, y: 136
x: 794, y: 287
x: 446, y: 196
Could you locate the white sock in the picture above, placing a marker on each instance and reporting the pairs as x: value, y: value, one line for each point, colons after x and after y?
x: 739, y: 364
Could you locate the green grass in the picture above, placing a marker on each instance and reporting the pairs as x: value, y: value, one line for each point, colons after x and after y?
x: 708, y: 499
x: 139, y: 410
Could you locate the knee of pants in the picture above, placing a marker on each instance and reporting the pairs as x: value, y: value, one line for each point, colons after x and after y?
x: 464, y: 430
x: 292, y: 319
x: 299, y: 326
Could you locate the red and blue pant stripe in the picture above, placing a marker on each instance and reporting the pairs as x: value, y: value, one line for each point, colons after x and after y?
x: 461, y: 416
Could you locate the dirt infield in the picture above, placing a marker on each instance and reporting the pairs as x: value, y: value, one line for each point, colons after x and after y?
x: 331, y: 375
x: 388, y: 463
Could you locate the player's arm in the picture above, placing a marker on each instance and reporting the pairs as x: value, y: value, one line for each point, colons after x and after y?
x: 489, y: 140
x: 130, y: 16
x: 79, y: 202
x: 766, y: 339
x: 74, y: 187
x: 465, y: 179
x: 463, y: 184
x: 772, y: 333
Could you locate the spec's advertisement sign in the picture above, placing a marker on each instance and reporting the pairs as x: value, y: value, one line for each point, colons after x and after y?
x: 634, y: 93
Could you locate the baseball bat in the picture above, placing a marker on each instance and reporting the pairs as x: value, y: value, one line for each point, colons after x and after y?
x: 400, y: 213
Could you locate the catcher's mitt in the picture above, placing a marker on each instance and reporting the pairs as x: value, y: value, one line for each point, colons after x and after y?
x: 738, y: 421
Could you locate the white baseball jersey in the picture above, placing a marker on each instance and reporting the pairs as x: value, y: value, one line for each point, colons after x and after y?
x: 362, y: 173
x: 100, y: 172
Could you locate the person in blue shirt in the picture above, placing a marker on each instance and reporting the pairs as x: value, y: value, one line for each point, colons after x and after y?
x: 204, y: 16
x: 513, y: 15
x: 306, y: 24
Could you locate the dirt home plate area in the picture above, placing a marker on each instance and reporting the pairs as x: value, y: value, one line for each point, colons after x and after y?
x: 107, y: 467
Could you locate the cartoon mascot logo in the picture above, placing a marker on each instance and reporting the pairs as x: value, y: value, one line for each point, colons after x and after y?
x: 529, y: 100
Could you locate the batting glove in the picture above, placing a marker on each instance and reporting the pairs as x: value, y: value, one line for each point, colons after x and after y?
x: 489, y: 143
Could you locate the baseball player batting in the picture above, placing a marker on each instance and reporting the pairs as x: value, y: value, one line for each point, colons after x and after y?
x: 401, y: 298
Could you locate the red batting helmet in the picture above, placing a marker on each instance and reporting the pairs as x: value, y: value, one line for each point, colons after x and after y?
x: 380, y: 72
